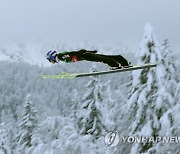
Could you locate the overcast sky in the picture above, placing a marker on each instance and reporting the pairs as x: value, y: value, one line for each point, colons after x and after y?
x: 92, y: 20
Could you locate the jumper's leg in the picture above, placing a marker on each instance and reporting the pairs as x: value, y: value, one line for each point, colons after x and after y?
x: 120, y: 59
x: 100, y: 58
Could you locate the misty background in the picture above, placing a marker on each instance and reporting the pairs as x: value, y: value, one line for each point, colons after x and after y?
x: 94, y: 20
x: 66, y: 116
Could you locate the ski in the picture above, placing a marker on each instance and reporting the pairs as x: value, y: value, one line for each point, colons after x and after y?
x: 77, y: 75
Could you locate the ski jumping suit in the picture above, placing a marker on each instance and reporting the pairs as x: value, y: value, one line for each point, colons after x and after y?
x: 74, y: 56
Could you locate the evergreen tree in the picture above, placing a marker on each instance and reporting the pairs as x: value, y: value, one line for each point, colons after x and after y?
x: 168, y: 61
x: 169, y: 89
x: 4, y: 139
x: 27, y: 126
x: 146, y: 105
x: 169, y: 95
x: 110, y: 106
x: 90, y: 115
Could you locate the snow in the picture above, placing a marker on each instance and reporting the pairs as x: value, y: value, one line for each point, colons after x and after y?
x: 136, y: 76
x: 131, y: 100
x: 148, y: 30
x: 151, y: 104
x: 148, y: 106
x: 146, y: 130
x: 33, y: 54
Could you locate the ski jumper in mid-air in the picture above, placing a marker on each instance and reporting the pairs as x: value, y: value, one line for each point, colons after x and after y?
x: 114, y: 61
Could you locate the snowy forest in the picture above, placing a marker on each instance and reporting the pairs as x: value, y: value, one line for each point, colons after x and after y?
x: 72, y: 116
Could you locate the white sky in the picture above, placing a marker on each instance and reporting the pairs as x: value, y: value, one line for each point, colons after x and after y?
x: 92, y: 20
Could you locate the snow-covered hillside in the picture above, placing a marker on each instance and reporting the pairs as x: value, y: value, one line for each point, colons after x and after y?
x: 23, y: 52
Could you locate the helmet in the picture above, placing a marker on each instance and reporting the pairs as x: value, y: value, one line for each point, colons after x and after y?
x: 51, y: 56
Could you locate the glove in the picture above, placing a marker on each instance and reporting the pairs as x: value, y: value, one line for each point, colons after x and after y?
x: 52, y: 56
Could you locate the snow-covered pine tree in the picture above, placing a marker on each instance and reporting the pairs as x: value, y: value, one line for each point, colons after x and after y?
x: 168, y: 61
x: 27, y: 126
x: 91, y: 111
x: 4, y: 139
x: 145, y: 106
x: 109, y: 105
x: 169, y: 95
